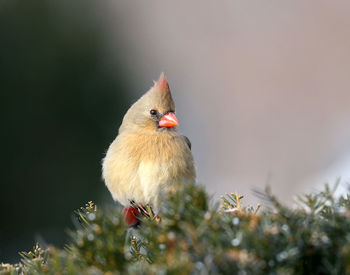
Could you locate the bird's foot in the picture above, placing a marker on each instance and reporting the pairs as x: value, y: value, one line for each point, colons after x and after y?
x: 136, y: 211
x: 142, y: 210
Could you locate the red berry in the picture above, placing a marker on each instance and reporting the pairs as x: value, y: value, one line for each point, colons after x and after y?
x: 130, y: 215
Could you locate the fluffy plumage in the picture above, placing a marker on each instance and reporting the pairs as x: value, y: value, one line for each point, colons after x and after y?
x: 145, y: 158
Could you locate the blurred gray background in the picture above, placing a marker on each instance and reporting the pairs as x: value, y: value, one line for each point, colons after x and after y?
x: 262, y: 89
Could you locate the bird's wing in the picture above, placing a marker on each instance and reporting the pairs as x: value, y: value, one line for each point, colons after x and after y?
x: 188, y: 142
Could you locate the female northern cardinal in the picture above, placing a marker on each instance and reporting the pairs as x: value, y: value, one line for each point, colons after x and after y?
x: 149, y: 155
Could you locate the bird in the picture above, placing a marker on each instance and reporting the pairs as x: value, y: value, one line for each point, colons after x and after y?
x: 149, y: 155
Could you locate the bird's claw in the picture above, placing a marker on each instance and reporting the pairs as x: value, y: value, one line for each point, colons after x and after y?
x: 142, y: 209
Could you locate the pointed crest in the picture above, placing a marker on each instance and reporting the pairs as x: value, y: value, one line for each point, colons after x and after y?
x: 162, y: 83
x: 161, y: 95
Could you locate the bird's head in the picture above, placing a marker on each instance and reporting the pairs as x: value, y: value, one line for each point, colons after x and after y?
x: 155, y: 110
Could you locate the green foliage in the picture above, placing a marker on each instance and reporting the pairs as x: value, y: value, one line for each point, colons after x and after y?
x: 191, y: 237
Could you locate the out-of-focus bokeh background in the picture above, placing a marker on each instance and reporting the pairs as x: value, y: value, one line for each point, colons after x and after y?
x: 262, y: 90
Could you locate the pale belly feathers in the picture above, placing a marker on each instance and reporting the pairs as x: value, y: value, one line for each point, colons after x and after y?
x: 144, y: 179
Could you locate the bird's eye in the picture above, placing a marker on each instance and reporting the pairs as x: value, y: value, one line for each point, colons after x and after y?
x: 153, y: 112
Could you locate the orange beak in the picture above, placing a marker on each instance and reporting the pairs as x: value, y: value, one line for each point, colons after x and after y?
x: 168, y: 120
